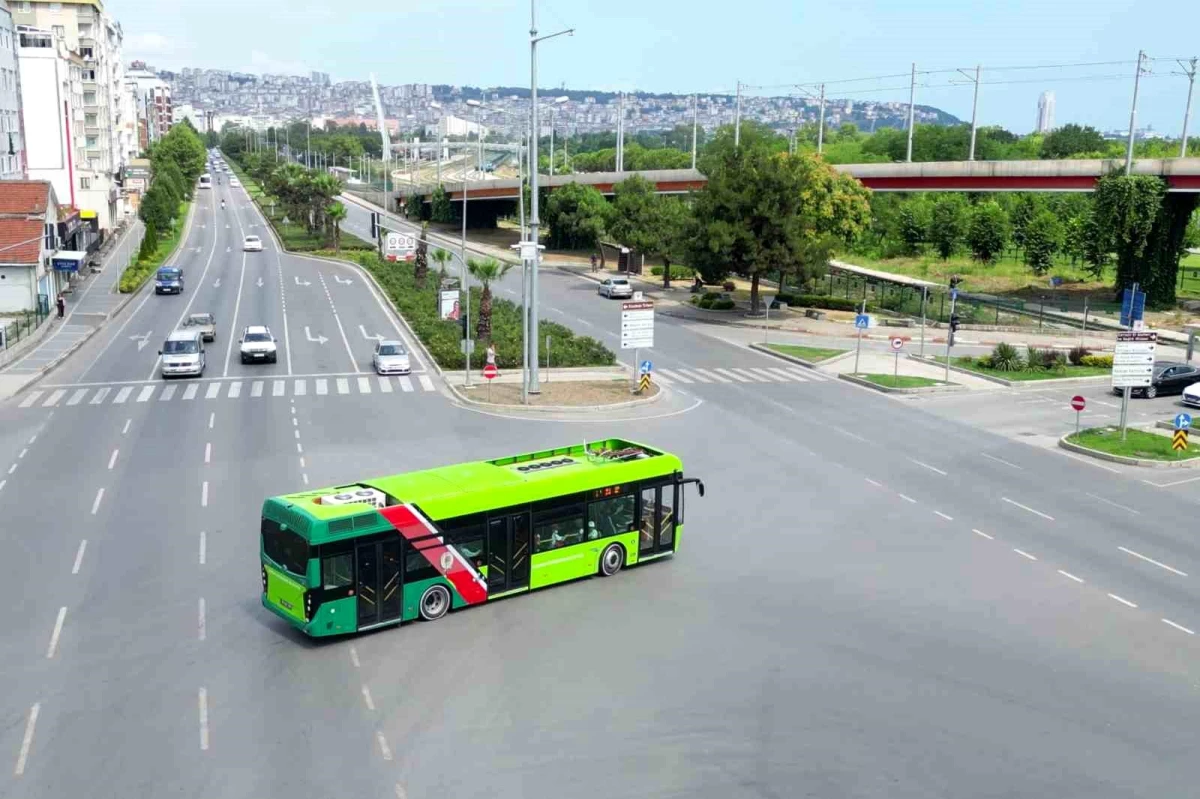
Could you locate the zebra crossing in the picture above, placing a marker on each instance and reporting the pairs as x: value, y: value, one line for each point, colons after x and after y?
x: 193, y: 391
x: 746, y: 374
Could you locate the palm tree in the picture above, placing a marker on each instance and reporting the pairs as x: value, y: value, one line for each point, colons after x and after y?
x: 442, y: 257
x: 485, y: 270
x: 421, y: 267
x: 336, y: 212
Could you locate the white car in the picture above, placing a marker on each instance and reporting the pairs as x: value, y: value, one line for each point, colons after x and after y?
x: 252, y: 244
x: 613, y: 287
x: 391, y: 358
x: 1191, y: 395
x: 235, y: 182
x: 257, y: 345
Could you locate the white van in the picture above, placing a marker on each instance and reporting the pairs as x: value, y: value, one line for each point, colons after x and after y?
x: 206, y: 181
x: 182, y: 354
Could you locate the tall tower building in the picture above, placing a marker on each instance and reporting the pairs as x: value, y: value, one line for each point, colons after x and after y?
x: 1045, y: 115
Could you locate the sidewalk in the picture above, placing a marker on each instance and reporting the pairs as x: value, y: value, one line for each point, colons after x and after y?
x: 87, y: 311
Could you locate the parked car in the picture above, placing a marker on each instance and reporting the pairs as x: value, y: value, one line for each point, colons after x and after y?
x: 203, y: 322
x: 1191, y: 395
x: 391, y: 358
x: 252, y: 244
x: 257, y: 344
x: 1168, y: 377
x: 182, y: 354
x: 613, y: 287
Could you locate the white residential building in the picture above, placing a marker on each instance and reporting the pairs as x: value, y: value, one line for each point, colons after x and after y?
x: 55, y: 120
x: 154, y: 99
x: 12, y: 134
x: 1045, y: 114
x: 192, y: 114
x: 454, y: 126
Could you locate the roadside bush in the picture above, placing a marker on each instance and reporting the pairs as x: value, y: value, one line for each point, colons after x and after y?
x: 824, y: 301
x: 787, y: 297
x: 729, y: 285
x: 1098, y: 361
x: 677, y: 272
x: 723, y: 305
x: 1077, y: 354
x: 1005, y: 358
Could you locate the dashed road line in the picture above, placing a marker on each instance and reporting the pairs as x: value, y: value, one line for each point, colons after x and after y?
x: 944, y: 516
x: 999, y: 460
x: 112, y: 459
x: 875, y: 483
x: 1027, y: 508
x: 27, y: 741
x: 204, y: 494
x: 354, y: 657
x: 1179, y: 627
x: 96, y: 501
x: 927, y: 466
x: 1023, y: 553
x: 1070, y: 576
x: 907, y: 498
x: 203, y: 547
x: 202, y: 706
x: 384, y: 749
x: 1114, y: 504
x: 366, y: 692
x: 58, y: 625
x: 79, y: 557
x: 1122, y: 600
x: 1140, y: 556
x: 208, y: 452
x: 202, y: 631
x: 125, y: 429
x: 982, y: 533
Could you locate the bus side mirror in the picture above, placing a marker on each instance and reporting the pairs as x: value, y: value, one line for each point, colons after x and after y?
x: 700, y: 487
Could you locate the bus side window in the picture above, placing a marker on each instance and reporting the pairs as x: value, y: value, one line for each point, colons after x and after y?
x: 337, y: 571
x: 611, y: 516
x: 558, y: 523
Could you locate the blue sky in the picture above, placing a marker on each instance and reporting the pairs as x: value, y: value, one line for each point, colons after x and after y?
x: 700, y: 45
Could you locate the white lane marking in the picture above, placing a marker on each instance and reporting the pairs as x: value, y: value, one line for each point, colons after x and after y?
x: 1179, y: 627
x: 32, y: 439
x: 1122, y: 600
x: 235, y: 389
x: 322, y: 386
x: 112, y: 459
x: 354, y: 657
x: 426, y: 382
x: 907, y: 498
x: 751, y: 376
x: 875, y: 483
x: 927, y: 466
x: 405, y: 384
x: 675, y: 377
x: 278, y: 388
x: 295, y: 421
x: 204, y: 494
x: 12, y: 468
x: 385, y: 385
x: 944, y: 516
x: 303, y: 465
x: 383, y: 746
x: 343, y: 385
x: 33, y: 397
x: 1089, y: 461
x: 212, y: 417
x: 301, y: 388
x: 1024, y: 554
x: 1152, y: 560
x: 848, y: 434
x: 203, y: 547
x: 299, y: 448
x: 1070, y: 576
x: 96, y: 501
x: 145, y: 394
x: 982, y: 533
x: 202, y: 705
x: 400, y: 794
x: 1114, y: 504
x: 1027, y: 508
x: 79, y: 557
x: 58, y: 625
x: 1173, y: 483
x: 213, y: 390
x: 208, y: 452
x: 125, y: 429
x: 366, y: 692
x: 1106, y: 404
x: 167, y: 394
x: 202, y: 631
x: 364, y: 385
x: 77, y: 397
x: 3, y: 483
x: 304, y: 477
x: 99, y: 396
x: 53, y: 399
x: 256, y: 388
x: 189, y: 393
x: 237, y: 304
x: 22, y: 453
x: 720, y: 378
x: 27, y: 741
x: 999, y: 460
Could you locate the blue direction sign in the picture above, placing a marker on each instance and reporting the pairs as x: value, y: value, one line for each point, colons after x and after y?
x: 862, y: 321
x: 1183, y: 421
x: 646, y: 367
x: 1133, y: 307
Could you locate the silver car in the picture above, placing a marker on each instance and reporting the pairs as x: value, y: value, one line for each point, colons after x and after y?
x: 203, y: 322
x: 613, y: 287
x: 182, y: 354
x: 391, y: 358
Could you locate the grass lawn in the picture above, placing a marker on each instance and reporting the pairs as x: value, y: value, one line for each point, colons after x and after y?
x: 137, y: 272
x: 903, y: 381
x: 1138, y: 444
x: 966, y: 362
x: 1006, y: 274
x: 812, y: 354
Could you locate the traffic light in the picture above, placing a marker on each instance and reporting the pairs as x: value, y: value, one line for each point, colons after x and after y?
x: 462, y: 323
x: 954, y: 323
x: 374, y: 225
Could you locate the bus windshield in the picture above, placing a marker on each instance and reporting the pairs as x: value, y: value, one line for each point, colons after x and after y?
x: 206, y: 181
x: 168, y: 274
x: 284, y: 547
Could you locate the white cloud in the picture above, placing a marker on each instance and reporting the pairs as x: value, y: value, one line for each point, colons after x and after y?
x: 148, y: 44
x: 262, y: 63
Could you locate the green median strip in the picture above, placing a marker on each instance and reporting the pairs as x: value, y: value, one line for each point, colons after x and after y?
x: 903, y: 381
x: 1066, y: 372
x: 812, y: 354
x: 1137, y: 444
x: 137, y: 272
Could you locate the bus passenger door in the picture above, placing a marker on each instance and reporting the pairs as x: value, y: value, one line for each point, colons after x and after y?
x: 656, y: 527
x: 367, y: 572
x: 508, y: 552
x: 378, y: 578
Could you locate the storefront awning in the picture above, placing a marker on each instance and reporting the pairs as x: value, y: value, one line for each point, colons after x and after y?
x: 67, y: 260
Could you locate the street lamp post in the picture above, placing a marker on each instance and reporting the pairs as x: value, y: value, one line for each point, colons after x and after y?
x: 534, y: 388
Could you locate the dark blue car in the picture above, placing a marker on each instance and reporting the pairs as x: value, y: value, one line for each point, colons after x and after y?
x: 169, y: 280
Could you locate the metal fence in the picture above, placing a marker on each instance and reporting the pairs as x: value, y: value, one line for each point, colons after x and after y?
x: 16, y: 327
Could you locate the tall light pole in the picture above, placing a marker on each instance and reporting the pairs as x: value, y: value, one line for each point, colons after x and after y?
x: 737, y: 118
x: 1137, y: 80
x: 534, y: 388
x: 821, y: 123
x: 912, y: 96
x: 1189, y: 69
x: 694, y: 126
x: 463, y: 262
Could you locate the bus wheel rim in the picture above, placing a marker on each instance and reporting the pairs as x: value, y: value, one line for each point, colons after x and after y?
x: 612, y: 559
x: 434, y: 602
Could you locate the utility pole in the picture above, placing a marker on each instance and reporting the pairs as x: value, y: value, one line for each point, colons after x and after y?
x: 694, y: 127
x: 1137, y: 80
x: 621, y: 132
x: 974, y: 112
x: 466, y: 306
x: 737, y: 118
x: 912, y: 96
x: 552, y: 142
x: 1190, y: 71
x: 821, y: 122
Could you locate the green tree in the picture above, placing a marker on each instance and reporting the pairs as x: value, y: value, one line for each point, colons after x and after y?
x: 988, y: 231
x: 440, y: 209
x: 485, y: 270
x: 1043, y: 238
x: 182, y: 145
x: 149, y: 243
x: 577, y: 216
x: 1072, y: 141
x: 912, y: 225
x: 442, y: 257
x: 336, y: 212
x: 169, y: 174
x: 647, y: 222
x: 421, y: 262
x: 949, y: 224
x: 156, y: 209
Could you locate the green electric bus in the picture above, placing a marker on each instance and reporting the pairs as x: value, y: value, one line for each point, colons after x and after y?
x: 415, y: 545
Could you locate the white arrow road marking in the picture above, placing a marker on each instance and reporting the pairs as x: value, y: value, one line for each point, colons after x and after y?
x: 300, y: 282
x: 142, y: 340
x: 260, y: 282
x: 227, y: 227
x: 228, y: 249
x: 345, y: 282
x: 319, y: 339
x: 363, y: 330
x: 217, y: 283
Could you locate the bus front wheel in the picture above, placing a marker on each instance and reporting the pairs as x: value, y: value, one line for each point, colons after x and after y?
x: 435, y: 602
x: 612, y: 560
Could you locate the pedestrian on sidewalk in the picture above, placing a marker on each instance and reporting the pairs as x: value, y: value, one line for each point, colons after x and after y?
x: 594, y: 262
x: 491, y: 357
x: 61, y: 302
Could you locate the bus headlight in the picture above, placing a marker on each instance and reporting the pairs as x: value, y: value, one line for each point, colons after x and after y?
x: 308, y: 605
x: 264, y: 579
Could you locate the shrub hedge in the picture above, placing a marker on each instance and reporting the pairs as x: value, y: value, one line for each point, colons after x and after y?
x: 677, y: 272
x: 1100, y: 361
x: 140, y: 270
x: 419, y: 307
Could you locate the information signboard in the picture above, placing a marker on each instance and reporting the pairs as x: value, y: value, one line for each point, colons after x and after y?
x: 1133, y: 359
x: 637, y: 325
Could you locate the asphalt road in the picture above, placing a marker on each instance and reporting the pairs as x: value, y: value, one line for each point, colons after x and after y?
x: 873, y: 600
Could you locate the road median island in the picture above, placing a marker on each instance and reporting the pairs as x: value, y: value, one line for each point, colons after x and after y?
x: 137, y: 273
x: 585, y: 390
x: 812, y: 357
x: 903, y: 384
x: 1021, y: 378
x: 1140, y: 448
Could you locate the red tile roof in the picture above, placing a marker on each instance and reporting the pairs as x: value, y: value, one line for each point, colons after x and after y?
x: 24, y: 197
x: 26, y: 234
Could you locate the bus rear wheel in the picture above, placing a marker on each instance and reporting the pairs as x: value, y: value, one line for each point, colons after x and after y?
x: 435, y: 602
x: 611, y: 560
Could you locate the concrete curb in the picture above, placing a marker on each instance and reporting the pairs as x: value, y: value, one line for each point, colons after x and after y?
x: 793, y: 359
x: 1145, y: 463
x: 543, y: 409
x: 1017, y: 384
x: 858, y: 381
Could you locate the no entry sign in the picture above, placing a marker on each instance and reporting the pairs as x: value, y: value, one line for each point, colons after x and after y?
x: 1078, y: 403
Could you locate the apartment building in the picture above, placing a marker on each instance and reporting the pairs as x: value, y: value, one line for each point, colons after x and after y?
x: 12, y: 134
x: 153, y: 99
